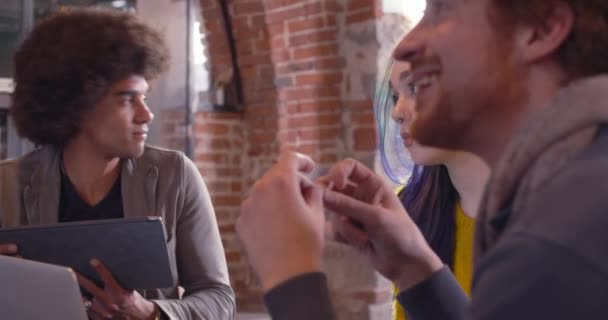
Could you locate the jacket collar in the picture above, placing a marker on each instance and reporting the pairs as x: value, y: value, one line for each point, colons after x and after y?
x: 41, y: 195
x: 139, y: 179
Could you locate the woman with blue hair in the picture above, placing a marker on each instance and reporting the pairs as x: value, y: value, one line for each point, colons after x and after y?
x: 442, y: 188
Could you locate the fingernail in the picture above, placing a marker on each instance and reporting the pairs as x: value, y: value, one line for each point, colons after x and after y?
x: 94, y: 262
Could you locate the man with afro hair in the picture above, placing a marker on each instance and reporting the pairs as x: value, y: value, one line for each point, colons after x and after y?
x: 81, y: 80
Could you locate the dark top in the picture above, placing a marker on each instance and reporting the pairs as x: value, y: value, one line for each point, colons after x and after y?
x: 73, y: 208
x: 551, y: 261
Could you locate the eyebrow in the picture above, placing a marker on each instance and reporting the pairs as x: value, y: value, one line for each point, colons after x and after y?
x: 129, y: 93
x: 405, y: 75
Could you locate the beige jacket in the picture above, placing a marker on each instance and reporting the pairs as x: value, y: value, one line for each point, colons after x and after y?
x: 160, y: 183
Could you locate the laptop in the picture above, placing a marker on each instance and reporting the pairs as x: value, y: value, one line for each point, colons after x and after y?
x: 34, y: 290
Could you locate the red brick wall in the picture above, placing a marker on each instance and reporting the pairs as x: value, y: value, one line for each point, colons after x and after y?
x: 243, y: 140
x: 298, y: 94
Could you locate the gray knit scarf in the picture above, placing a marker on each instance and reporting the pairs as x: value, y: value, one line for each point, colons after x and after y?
x: 546, y: 145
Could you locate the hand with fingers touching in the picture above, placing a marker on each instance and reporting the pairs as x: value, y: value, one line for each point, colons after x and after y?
x: 113, y: 301
x: 281, y: 224
x: 369, y: 216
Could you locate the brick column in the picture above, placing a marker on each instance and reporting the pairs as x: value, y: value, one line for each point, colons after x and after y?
x: 308, y: 69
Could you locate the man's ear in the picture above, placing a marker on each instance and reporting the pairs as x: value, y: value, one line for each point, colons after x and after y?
x: 541, y: 40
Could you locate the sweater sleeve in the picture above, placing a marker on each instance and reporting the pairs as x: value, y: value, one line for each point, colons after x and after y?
x: 304, y: 297
x: 439, y: 297
x: 525, y: 277
x: 202, y: 268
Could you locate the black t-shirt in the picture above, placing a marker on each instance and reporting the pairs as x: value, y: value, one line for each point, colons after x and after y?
x: 73, y: 208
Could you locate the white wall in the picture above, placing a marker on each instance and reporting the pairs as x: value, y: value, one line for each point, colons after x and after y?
x: 412, y: 9
x: 169, y: 90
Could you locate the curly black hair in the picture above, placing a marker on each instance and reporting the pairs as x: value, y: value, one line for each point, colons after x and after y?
x: 70, y: 60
